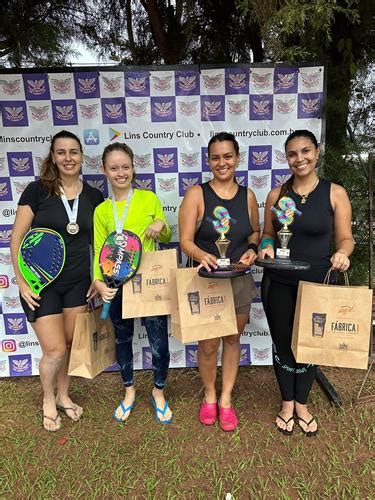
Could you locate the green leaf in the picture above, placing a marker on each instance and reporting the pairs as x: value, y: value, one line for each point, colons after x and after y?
x: 341, y: 44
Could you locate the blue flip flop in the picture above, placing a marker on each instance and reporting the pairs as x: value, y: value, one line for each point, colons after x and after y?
x: 162, y: 412
x: 124, y: 410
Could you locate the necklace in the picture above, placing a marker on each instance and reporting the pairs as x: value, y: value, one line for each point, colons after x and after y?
x: 305, y: 196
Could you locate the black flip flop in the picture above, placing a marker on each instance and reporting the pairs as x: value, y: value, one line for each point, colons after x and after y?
x: 307, y: 433
x: 286, y: 422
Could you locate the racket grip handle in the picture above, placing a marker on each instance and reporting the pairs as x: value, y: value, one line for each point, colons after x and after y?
x: 105, y: 311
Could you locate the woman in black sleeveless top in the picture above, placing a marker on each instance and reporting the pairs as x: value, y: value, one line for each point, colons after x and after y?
x: 198, y: 210
x: 326, y: 218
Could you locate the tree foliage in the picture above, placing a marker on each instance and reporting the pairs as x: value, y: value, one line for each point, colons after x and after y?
x: 35, y: 32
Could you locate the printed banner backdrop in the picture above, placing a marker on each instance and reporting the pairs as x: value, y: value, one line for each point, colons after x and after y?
x: 167, y: 116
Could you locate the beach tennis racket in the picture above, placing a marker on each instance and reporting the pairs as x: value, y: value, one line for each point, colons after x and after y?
x: 119, y: 260
x: 41, y: 258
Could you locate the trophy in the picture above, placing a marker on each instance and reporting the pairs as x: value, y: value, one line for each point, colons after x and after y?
x: 225, y: 269
x: 285, y: 215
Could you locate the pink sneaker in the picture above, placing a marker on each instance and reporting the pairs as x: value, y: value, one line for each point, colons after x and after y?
x: 208, y: 413
x: 227, y: 418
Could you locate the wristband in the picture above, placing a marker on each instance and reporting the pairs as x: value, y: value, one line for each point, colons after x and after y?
x: 253, y: 247
x: 264, y: 243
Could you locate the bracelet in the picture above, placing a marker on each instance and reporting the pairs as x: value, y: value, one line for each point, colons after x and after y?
x: 264, y: 243
x: 253, y: 247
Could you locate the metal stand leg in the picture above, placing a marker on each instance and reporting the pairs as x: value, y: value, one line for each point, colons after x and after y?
x: 328, y: 388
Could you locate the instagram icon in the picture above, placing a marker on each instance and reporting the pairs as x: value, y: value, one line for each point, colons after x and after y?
x: 4, y: 281
x: 8, y: 345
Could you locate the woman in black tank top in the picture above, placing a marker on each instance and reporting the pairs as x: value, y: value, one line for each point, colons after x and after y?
x: 326, y: 217
x: 198, y: 211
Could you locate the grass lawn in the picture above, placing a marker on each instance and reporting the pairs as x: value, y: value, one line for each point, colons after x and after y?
x: 99, y: 458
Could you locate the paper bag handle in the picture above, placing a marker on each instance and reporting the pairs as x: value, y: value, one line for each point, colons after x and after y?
x: 328, y: 277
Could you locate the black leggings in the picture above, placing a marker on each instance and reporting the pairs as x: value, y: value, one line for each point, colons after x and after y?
x: 294, y: 379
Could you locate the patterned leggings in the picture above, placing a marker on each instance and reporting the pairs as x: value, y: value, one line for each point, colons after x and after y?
x: 157, y: 333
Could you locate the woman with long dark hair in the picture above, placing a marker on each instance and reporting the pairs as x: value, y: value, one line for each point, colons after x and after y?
x: 59, y: 200
x: 325, y: 219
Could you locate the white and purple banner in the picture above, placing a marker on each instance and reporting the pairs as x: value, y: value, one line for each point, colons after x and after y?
x: 167, y: 117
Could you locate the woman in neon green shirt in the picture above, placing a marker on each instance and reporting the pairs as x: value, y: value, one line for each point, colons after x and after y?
x: 142, y: 214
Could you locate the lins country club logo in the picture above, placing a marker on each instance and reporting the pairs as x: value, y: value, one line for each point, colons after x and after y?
x: 39, y: 113
x: 89, y: 111
x: 20, y: 163
x: 261, y: 107
x: 20, y: 365
x: 187, y: 82
x: 259, y: 181
x: 92, y: 162
x: 237, y: 107
x: 142, y: 161
x: 113, y: 110
x: 61, y: 85
x: 162, y: 83
x: 36, y: 87
x: 111, y: 84
x: 212, y: 82
x: 309, y: 79
x: 167, y: 185
x: 165, y: 160
x: 14, y: 114
x: 212, y: 108
x: 260, y: 80
x: 15, y: 324
x: 138, y: 109
x: 285, y: 106
x: 188, y: 108
x: 11, y: 87
x: 86, y: 85
x: 189, y: 159
x: 163, y: 109
x: 260, y: 157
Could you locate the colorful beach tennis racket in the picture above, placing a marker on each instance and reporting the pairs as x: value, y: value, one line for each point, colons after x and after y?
x: 41, y: 258
x: 119, y: 260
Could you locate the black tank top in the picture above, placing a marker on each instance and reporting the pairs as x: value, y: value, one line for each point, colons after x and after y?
x: 312, y: 236
x: 240, y: 227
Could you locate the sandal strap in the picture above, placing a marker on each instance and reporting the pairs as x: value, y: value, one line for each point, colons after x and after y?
x: 124, y: 408
x: 286, y: 422
x: 304, y: 421
x: 162, y: 412
x: 50, y: 418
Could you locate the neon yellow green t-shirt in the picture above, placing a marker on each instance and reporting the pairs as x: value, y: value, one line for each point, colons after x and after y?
x: 145, y: 208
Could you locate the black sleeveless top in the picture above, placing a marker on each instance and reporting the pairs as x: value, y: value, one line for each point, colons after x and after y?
x: 239, y: 223
x: 312, y: 236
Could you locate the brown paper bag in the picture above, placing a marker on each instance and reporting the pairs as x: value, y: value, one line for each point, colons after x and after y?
x: 202, y: 308
x: 93, y: 347
x: 332, y: 325
x: 148, y: 293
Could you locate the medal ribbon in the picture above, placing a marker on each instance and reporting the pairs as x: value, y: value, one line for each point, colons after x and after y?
x: 71, y: 213
x: 119, y: 223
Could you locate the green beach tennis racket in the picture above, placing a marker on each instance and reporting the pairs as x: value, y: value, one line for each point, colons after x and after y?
x: 41, y: 258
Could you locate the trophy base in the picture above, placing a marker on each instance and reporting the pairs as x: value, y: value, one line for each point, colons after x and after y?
x: 283, y: 264
x: 234, y: 270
